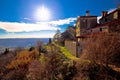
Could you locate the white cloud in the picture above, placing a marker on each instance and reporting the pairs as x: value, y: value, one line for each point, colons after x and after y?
x: 98, y: 18
x: 63, y: 21
x: 27, y: 27
x: 111, y: 10
x: 74, y: 24
x: 37, y: 35
x: 27, y: 19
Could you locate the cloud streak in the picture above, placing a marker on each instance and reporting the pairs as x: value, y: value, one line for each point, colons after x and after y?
x: 62, y: 22
x: 25, y: 27
x: 28, y: 27
x: 98, y: 18
x: 111, y: 10
x: 27, y: 18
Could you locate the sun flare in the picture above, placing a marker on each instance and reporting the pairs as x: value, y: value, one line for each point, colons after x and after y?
x: 42, y: 14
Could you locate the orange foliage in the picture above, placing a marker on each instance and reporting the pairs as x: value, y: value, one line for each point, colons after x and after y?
x: 23, y: 59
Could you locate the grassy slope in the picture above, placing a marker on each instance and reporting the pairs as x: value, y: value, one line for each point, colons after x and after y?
x: 82, y: 61
x: 66, y: 52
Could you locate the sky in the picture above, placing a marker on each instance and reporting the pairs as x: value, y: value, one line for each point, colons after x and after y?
x: 41, y: 18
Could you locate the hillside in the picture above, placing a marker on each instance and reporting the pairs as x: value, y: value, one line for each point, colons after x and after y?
x: 54, y: 62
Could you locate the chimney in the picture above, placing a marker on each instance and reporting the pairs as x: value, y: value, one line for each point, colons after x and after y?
x: 104, y: 13
x: 87, y: 13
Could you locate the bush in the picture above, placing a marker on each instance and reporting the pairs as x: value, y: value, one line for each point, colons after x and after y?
x: 52, y: 66
x: 6, y: 51
x: 17, y: 69
x: 93, y: 71
x: 41, y: 47
x: 31, y: 48
x: 17, y: 50
x: 19, y: 74
x: 22, y: 59
x: 104, y: 49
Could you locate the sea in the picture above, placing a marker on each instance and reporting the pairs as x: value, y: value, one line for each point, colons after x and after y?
x: 20, y: 42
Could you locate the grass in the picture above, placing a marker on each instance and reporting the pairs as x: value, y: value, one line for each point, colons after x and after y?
x: 66, y: 52
x: 43, y: 59
x: 47, y: 47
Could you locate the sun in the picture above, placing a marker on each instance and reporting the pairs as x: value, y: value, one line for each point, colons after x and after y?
x: 42, y: 14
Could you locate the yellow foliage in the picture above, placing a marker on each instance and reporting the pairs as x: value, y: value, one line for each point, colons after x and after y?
x: 42, y: 58
x: 48, y: 47
x: 23, y: 59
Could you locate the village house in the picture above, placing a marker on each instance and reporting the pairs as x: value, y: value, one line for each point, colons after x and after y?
x: 84, y: 23
x: 109, y: 22
x: 87, y: 25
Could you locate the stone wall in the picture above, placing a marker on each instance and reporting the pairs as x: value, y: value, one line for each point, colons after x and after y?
x: 71, y: 47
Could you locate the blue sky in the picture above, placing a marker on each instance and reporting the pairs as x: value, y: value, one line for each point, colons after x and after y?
x: 18, y: 17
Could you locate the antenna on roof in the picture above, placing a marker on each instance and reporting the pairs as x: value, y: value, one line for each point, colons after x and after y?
x: 87, y: 13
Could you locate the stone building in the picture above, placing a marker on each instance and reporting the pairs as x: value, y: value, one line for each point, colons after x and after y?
x: 84, y: 23
x: 87, y: 25
x: 110, y: 22
x: 75, y: 37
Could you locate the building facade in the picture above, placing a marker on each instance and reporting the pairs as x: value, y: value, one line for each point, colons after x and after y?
x: 84, y: 23
x: 87, y: 25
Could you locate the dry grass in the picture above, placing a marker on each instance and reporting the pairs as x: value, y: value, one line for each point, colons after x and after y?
x: 22, y: 59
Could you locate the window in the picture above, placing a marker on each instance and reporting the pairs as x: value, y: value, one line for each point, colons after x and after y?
x: 91, y: 31
x: 100, y: 29
x: 106, y: 20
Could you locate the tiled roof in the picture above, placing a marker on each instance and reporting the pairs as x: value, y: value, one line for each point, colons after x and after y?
x: 110, y: 13
x: 106, y: 24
